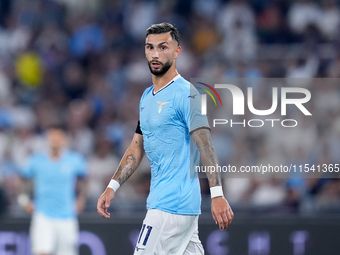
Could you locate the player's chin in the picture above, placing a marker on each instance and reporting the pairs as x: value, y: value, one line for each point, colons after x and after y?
x: 156, y: 70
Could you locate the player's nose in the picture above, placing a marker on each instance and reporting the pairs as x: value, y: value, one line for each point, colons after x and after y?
x: 155, y: 54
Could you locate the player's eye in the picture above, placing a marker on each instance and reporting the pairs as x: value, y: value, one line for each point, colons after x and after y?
x: 163, y: 47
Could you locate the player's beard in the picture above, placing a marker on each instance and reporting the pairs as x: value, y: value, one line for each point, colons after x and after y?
x: 161, y: 71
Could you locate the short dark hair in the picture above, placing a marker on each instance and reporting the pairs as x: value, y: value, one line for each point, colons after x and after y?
x: 162, y: 28
x: 57, y: 126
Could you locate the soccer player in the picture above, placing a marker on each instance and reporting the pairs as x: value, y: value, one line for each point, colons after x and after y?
x: 169, y: 116
x: 54, y: 225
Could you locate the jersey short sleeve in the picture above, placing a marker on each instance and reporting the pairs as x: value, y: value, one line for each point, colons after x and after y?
x: 28, y: 170
x: 81, y: 166
x: 190, y: 109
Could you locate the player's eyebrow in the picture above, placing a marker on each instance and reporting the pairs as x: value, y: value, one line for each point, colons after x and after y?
x: 159, y: 44
x: 163, y: 43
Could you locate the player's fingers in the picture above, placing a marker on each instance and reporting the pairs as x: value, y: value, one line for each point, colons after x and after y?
x: 231, y: 215
x: 220, y: 221
x: 226, y: 221
x: 102, y: 211
x: 107, y: 202
x: 214, y: 217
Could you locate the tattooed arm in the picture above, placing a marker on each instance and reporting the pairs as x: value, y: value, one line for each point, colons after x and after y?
x: 203, y: 142
x: 131, y: 160
x: 128, y: 165
x: 220, y: 207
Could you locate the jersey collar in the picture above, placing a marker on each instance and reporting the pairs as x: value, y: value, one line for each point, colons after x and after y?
x: 63, y: 152
x: 174, y: 79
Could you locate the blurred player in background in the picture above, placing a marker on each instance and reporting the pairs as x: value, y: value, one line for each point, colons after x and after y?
x: 169, y: 114
x: 59, y: 195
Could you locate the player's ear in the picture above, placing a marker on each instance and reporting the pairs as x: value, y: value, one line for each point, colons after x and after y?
x: 178, y: 51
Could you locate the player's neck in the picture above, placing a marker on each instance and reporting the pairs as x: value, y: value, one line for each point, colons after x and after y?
x: 55, y: 153
x: 160, y: 81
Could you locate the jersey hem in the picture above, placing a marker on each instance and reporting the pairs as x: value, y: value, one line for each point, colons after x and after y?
x: 64, y: 217
x: 175, y: 212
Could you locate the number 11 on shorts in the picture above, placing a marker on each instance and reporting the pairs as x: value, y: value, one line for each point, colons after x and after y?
x: 143, y: 237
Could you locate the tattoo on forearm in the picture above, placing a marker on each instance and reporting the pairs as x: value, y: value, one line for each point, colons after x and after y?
x: 126, y: 169
x: 203, y: 142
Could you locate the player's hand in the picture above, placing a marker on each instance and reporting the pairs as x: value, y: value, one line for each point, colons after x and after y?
x: 80, y: 204
x: 29, y: 208
x: 25, y: 203
x: 221, y: 212
x: 104, y: 202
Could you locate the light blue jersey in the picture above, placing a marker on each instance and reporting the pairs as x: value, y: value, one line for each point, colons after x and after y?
x: 166, y: 120
x: 54, y: 182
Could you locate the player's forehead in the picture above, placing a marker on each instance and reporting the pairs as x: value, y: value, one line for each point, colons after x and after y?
x: 156, y: 39
x: 55, y: 132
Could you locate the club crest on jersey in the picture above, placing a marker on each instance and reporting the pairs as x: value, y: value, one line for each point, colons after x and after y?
x: 161, y: 106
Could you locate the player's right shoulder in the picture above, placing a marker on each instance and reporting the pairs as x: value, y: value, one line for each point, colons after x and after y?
x: 33, y: 159
x: 73, y: 155
x: 38, y: 156
x: 146, y: 92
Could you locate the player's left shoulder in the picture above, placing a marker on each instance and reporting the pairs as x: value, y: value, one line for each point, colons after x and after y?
x: 182, y: 83
x: 181, y: 88
x: 186, y: 90
x: 74, y: 155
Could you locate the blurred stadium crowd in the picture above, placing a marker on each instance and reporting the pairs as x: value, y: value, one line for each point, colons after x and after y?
x: 81, y: 62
